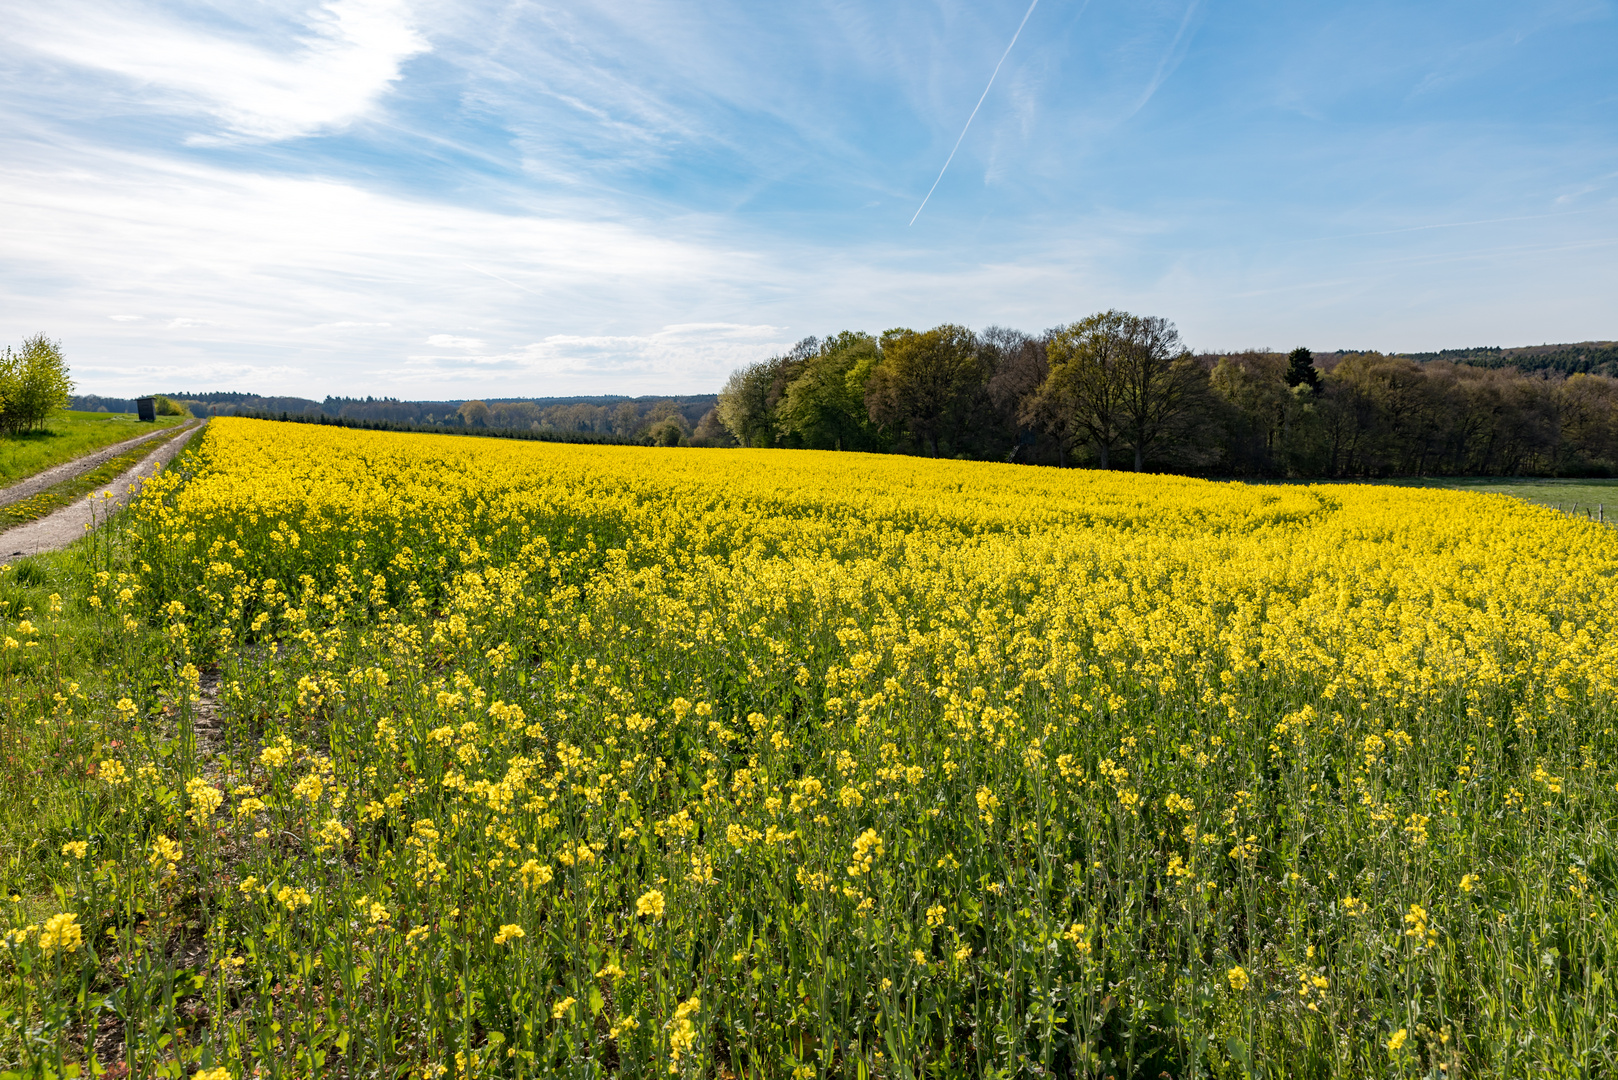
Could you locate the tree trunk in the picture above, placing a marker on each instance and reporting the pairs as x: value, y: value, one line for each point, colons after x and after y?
x: 1103, y: 448
x: 1140, y: 457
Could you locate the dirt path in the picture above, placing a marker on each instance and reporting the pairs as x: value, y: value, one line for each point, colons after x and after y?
x: 60, y: 529
x: 54, y: 475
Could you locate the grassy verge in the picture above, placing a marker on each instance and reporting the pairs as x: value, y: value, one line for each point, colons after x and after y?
x: 1565, y: 494
x: 69, y: 435
x: 65, y: 665
x: 63, y: 662
x: 69, y: 491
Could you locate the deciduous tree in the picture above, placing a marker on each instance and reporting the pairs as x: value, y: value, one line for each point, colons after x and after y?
x: 33, y: 383
x: 824, y: 406
x: 748, y: 403
x: 922, y: 380
x: 1081, y: 400
x: 1160, y: 384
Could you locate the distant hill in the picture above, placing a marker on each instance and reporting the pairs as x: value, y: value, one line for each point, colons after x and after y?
x: 1586, y: 357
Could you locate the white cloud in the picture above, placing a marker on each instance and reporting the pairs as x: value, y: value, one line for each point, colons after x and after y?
x: 303, y: 286
x: 346, y: 284
x: 688, y: 351
x: 203, y: 377
x: 345, y: 324
x: 332, y: 72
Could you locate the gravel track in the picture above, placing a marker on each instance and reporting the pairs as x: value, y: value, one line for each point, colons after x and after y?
x: 58, y: 530
x: 54, y: 475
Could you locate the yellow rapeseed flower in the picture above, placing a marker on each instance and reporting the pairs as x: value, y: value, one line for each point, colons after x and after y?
x: 60, y: 932
x: 293, y: 898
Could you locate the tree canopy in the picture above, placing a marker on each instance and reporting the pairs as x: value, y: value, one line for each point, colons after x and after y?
x: 34, y: 383
x: 1117, y: 383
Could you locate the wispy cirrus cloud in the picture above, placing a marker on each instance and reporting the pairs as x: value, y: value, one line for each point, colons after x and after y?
x: 325, y: 70
x: 1172, y: 56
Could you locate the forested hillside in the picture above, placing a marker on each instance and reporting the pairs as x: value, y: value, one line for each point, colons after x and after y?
x: 1585, y: 358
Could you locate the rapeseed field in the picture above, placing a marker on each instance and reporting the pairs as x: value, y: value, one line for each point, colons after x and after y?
x: 471, y: 759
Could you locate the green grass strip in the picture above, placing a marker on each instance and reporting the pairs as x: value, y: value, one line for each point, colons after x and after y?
x: 67, y: 437
x: 70, y: 491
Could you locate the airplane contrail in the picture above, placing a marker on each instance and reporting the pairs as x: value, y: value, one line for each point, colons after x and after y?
x: 975, y: 109
x: 497, y: 277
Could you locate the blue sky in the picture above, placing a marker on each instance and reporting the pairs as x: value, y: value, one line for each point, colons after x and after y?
x: 496, y: 199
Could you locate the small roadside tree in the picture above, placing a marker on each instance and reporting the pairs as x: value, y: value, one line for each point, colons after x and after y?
x: 33, y: 383
x: 167, y: 406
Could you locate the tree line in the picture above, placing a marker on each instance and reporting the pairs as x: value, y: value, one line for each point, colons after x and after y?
x: 659, y: 421
x: 653, y: 422
x: 523, y: 434
x: 1119, y: 390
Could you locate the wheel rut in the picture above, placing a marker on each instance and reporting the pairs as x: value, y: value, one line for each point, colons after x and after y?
x: 57, y: 530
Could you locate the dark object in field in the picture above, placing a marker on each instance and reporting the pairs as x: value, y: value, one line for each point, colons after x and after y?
x: 148, y: 410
